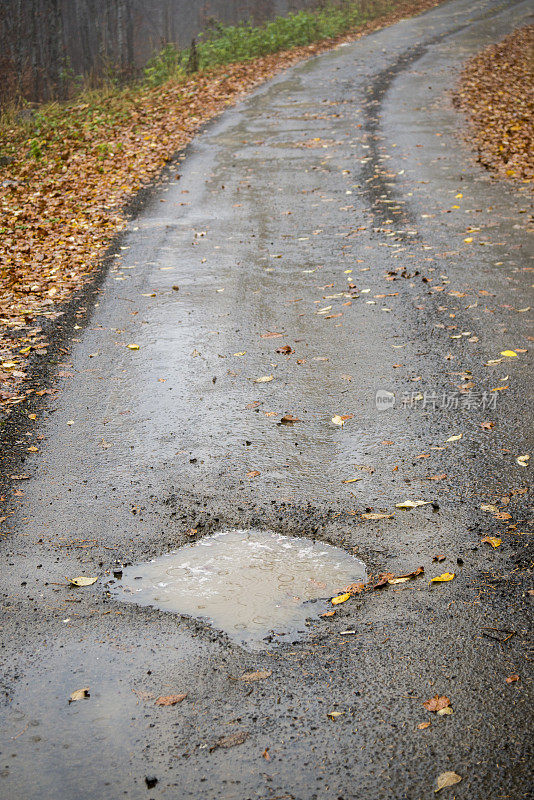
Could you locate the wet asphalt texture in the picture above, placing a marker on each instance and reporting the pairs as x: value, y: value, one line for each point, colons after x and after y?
x: 350, y: 161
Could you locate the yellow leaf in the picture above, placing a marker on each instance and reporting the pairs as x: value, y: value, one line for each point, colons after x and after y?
x: 509, y: 353
x: 447, y: 576
x: 79, y: 694
x: 457, y: 196
x: 9, y: 365
x: 133, y: 347
x: 447, y: 779
x: 454, y: 438
x: 81, y: 580
x: 341, y: 598
x: 241, y: 354
x: 523, y: 460
x: 377, y: 516
x: 494, y: 541
x: 352, y: 480
x: 468, y: 240
x: 334, y: 714
x: 489, y: 507
x: 264, y: 379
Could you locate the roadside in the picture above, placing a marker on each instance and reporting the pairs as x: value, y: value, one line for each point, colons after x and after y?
x: 72, y: 172
x: 496, y: 91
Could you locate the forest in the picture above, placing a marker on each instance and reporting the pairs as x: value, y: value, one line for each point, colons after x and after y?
x: 50, y: 48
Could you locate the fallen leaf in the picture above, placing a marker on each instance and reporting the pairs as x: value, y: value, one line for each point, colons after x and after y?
x: 133, y: 347
x: 253, y: 473
x: 509, y: 353
x: 412, y: 503
x: 523, y: 460
x: 289, y: 419
x: 423, y: 725
x: 443, y: 712
x: 436, y: 703
x: 383, y: 580
x: 79, y: 694
x: 230, y: 741
x: 270, y: 335
x: 338, y: 419
x: 487, y: 426
x: 340, y: 598
x: 374, y: 515
x: 266, y: 755
x: 81, y: 581
x: 335, y: 714
x: 439, y: 558
x: 327, y: 614
x: 446, y: 779
x: 170, y: 699
x: 447, y: 576
x: 488, y: 507
x: 454, y: 438
x: 242, y: 353
x: 258, y: 675
x: 264, y: 379
x: 512, y: 678
x: 285, y: 350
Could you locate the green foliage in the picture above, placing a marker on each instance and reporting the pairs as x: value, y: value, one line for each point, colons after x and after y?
x: 223, y: 45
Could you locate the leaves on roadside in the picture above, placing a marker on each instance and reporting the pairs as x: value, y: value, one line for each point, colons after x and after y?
x: 285, y: 350
x: 512, y: 678
x: 446, y: 779
x: 375, y: 515
x: 264, y: 379
x: 340, y: 419
x: 253, y: 473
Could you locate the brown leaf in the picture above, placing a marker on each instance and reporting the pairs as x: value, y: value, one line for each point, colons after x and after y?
x: 170, y: 699
x: 285, y: 350
x: 289, y: 419
x: 258, y: 675
x: 512, y: 678
x: 79, y: 694
x: 436, y: 703
x: 230, y: 741
x: 253, y: 473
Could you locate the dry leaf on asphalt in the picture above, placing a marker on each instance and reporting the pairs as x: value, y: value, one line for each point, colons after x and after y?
x: 512, y: 678
x: 447, y: 576
x: 81, y: 580
x: 264, y: 379
x: 446, y: 779
x: 455, y: 438
x: 170, y: 699
x: 437, y: 703
x: 230, y: 741
x: 373, y: 515
x: 253, y: 473
x: 340, y: 419
x: 423, y: 725
x: 494, y: 541
x: 258, y: 675
x: 79, y: 694
x: 412, y: 503
x: 340, y: 598
x: 289, y: 419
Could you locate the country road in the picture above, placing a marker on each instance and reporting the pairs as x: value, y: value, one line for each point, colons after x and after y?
x: 337, y: 215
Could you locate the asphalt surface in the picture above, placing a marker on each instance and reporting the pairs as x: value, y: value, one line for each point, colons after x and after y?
x: 351, y: 161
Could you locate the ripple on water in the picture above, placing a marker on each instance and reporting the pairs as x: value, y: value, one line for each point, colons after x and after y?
x: 251, y: 584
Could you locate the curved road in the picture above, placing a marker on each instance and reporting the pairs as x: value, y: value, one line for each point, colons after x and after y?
x: 338, y: 206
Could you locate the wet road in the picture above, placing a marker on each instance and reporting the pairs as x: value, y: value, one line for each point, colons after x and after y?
x: 332, y: 206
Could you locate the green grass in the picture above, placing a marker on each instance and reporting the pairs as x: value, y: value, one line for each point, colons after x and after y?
x: 223, y: 45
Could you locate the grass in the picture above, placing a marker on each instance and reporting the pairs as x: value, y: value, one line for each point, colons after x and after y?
x: 224, y: 45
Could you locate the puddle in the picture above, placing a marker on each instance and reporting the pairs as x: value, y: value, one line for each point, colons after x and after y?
x: 258, y: 587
